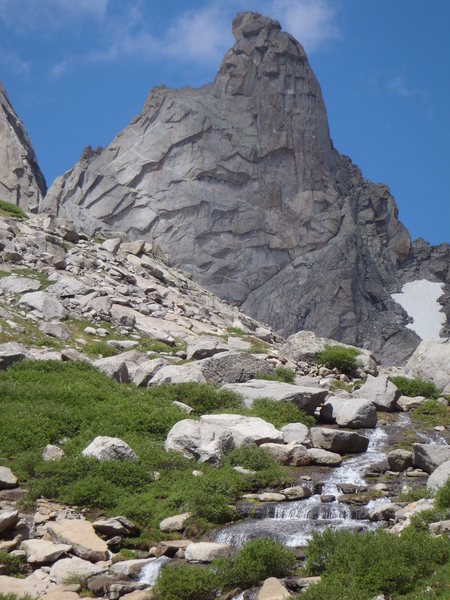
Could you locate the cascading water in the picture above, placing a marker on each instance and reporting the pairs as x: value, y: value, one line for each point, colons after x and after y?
x: 151, y: 571
x: 292, y: 523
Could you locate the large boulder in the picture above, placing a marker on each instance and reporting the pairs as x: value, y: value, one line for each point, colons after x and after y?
x: 429, y: 456
x: 46, y: 304
x: 175, y: 522
x: 109, y: 448
x: 172, y: 374
x: 439, y: 476
x: 75, y: 568
x: 324, y: 458
x: 8, y: 519
x: 114, y: 367
x: 146, y: 370
x: 272, y: 589
x: 338, y: 440
x: 295, y: 432
x: 292, y: 454
x: 304, y: 346
x: 349, y: 412
x: 19, y: 285
x: 431, y: 360
x: 204, y: 347
x: 233, y: 367
x: 306, y: 398
x: 81, y: 536
x: 400, y: 459
x: 207, y: 439
x: 380, y: 391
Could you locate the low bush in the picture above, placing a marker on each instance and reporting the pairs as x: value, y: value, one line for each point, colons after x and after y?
x: 431, y: 413
x: 442, y: 498
x: 254, y: 458
x: 13, y: 564
x: 339, y: 357
x: 415, y: 387
x: 283, y: 374
x: 7, y: 209
x: 360, y: 566
x: 279, y: 413
x: 253, y: 563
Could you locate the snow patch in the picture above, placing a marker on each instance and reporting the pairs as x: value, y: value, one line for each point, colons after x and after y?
x: 420, y: 300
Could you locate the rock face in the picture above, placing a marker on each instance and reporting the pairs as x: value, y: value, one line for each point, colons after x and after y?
x: 240, y: 183
x: 431, y: 360
x: 21, y: 180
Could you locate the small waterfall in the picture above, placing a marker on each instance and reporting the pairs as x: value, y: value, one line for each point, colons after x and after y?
x: 312, y: 508
x: 149, y: 574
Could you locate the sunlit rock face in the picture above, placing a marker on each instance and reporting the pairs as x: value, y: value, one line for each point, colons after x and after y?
x: 240, y: 184
x: 21, y: 180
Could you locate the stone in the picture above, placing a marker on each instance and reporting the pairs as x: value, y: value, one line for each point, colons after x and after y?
x: 439, y: 527
x: 338, y: 440
x: 349, y: 412
x: 384, y: 512
x: 439, y: 476
x: 52, y: 452
x: 172, y: 374
x: 43, y: 551
x: 296, y: 492
x: 7, y: 359
x: 31, y: 586
x: 69, y: 287
x: 56, y: 330
x: 204, y: 347
x: 110, y: 527
x: 407, y: 403
x: 233, y: 367
x: 324, y: 457
x: 60, y: 595
x: 431, y: 361
x: 272, y: 589
x: 175, y: 523
x: 8, y: 480
x: 429, y: 456
x: 109, y: 448
x: 292, y: 454
x: 295, y: 432
x: 75, y: 568
x: 130, y: 568
x: 271, y: 497
x: 145, y: 371
x: 182, y: 406
x: 400, y: 460
x: 13, y: 284
x: 112, y: 245
x: 21, y: 180
x: 208, y: 438
x: 307, y: 399
x: 81, y: 536
x: 205, y: 551
x: 403, y: 516
x: 380, y: 391
x: 114, y: 367
x: 46, y: 304
x: 8, y: 519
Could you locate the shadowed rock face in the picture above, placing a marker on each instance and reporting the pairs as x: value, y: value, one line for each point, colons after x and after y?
x: 240, y: 184
x: 21, y: 180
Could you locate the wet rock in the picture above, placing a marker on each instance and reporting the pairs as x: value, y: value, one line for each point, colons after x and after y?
x: 349, y: 412
x: 307, y: 399
x: 384, y: 512
x: 109, y: 448
x: 338, y: 440
x: 327, y: 498
x: 296, y: 492
x: 130, y: 568
x: 429, y: 456
x: 400, y: 460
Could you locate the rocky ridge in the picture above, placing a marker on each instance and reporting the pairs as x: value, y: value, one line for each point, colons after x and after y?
x: 61, y: 292
x: 21, y: 180
x: 239, y: 183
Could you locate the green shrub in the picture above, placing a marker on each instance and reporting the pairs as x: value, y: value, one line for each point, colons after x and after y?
x: 254, y: 562
x: 414, y: 494
x: 415, y: 387
x: 360, y: 566
x: 254, y: 458
x: 339, y: 357
x: 432, y: 412
x: 283, y: 374
x: 184, y: 582
x: 13, y: 563
x: 442, y: 499
x: 209, y: 498
x: 11, y: 210
x: 279, y: 413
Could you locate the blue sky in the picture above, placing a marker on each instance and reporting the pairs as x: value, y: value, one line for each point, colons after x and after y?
x: 77, y: 71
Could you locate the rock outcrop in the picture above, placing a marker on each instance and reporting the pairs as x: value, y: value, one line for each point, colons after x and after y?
x: 21, y: 180
x: 240, y: 184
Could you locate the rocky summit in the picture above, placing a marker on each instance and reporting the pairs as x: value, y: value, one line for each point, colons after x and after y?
x: 239, y: 183
x: 21, y: 180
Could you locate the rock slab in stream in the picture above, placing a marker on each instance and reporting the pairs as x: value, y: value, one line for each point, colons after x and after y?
x: 338, y: 440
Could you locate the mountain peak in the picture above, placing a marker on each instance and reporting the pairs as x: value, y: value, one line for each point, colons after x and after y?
x: 250, y: 24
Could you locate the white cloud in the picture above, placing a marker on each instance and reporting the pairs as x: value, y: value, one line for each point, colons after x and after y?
x: 400, y: 87
x: 11, y: 61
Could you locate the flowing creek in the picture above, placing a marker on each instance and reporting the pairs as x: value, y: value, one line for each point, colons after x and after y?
x: 292, y: 523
